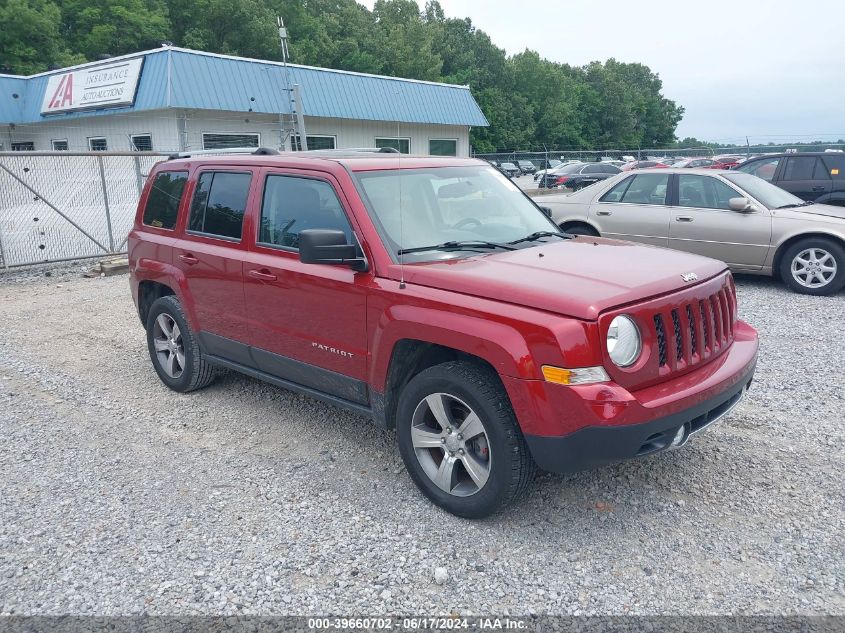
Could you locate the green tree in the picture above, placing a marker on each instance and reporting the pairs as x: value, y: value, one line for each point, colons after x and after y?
x: 529, y: 101
x: 113, y: 27
x: 30, y: 37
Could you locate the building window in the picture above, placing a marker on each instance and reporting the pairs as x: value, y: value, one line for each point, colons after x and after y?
x: 59, y: 144
x: 314, y: 142
x: 141, y: 142
x: 229, y: 141
x: 23, y: 146
x: 98, y: 144
x: 402, y: 144
x: 443, y: 147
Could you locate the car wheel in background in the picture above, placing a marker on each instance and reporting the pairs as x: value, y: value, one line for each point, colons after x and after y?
x: 174, y: 349
x: 814, y: 266
x: 579, y: 229
x: 460, y: 441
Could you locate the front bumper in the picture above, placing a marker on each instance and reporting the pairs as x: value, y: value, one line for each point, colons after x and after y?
x: 576, y: 428
x: 596, y: 446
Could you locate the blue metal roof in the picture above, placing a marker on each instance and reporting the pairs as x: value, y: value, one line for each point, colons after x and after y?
x: 206, y: 81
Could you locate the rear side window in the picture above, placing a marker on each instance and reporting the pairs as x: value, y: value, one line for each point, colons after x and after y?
x: 764, y: 168
x: 163, y: 201
x: 799, y: 168
x: 640, y: 189
x: 293, y: 204
x: 834, y: 166
x: 219, y: 204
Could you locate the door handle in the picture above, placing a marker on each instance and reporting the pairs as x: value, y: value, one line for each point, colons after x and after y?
x: 683, y: 218
x: 263, y: 275
x: 604, y: 212
x: 189, y: 259
x: 818, y: 188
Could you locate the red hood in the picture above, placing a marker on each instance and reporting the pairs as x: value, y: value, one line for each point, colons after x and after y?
x: 581, y: 277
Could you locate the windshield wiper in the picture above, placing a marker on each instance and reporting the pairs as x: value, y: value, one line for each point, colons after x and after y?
x: 538, y: 234
x: 463, y: 245
x: 794, y: 206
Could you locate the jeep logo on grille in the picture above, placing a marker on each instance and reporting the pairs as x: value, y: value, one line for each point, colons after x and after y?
x: 689, y: 276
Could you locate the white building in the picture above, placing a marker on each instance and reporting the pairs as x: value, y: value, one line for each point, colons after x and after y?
x: 173, y: 99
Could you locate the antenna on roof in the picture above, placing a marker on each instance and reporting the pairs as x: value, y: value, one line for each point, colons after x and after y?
x: 401, y: 215
x: 296, y: 123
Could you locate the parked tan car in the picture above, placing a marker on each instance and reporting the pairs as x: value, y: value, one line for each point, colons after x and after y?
x: 741, y: 219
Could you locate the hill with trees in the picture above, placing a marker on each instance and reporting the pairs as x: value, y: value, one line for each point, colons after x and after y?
x: 530, y: 101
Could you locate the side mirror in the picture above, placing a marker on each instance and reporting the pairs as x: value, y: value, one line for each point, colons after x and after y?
x: 743, y: 205
x: 547, y: 211
x: 328, y: 246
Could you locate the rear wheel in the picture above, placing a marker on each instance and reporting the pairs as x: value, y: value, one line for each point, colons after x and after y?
x: 460, y: 441
x: 174, y: 349
x: 814, y: 266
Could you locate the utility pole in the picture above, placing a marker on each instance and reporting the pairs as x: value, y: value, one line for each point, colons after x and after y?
x: 296, y: 123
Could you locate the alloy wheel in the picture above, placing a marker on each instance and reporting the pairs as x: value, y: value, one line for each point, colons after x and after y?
x: 169, y: 348
x: 451, y: 444
x: 814, y: 268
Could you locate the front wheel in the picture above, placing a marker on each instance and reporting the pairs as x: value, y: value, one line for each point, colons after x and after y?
x: 814, y: 266
x: 460, y: 440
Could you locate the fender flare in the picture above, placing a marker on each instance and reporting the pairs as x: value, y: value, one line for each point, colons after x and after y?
x: 172, y: 277
x: 496, y: 343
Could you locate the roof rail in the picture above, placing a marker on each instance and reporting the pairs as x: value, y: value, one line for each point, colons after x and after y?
x: 345, y: 151
x: 256, y: 151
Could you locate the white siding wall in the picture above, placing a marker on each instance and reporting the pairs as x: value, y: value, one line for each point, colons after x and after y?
x: 164, y: 128
x: 116, y: 128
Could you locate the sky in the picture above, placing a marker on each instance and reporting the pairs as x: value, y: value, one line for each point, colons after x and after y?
x: 772, y: 70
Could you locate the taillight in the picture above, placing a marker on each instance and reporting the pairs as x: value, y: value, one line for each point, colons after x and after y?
x: 561, y: 180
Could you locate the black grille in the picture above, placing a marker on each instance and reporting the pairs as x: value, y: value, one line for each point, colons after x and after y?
x: 679, y: 344
x: 692, y: 336
x: 661, y: 339
x: 702, y: 329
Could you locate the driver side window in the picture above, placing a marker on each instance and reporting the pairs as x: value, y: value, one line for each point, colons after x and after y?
x: 292, y: 204
x: 704, y: 192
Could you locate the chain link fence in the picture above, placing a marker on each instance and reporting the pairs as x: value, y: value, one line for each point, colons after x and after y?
x: 60, y: 206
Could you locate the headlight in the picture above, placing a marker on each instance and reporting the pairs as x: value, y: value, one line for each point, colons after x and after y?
x: 624, y: 343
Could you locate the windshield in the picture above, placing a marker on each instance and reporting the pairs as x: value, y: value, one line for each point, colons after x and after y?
x: 767, y: 193
x: 421, y: 207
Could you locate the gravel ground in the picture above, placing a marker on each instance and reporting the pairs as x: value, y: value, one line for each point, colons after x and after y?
x: 118, y: 496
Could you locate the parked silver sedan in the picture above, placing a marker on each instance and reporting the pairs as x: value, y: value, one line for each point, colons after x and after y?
x: 741, y: 219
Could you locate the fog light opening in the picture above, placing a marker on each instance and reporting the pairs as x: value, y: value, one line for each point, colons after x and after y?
x: 680, y: 436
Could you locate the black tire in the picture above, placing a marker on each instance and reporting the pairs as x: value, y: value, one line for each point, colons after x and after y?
x: 197, y: 372
x: 579, y: 229
x: 829, y: 246
x: 511, y: 467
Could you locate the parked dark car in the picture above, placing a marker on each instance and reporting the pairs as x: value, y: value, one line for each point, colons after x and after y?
x: 510, y: 169
x: 577, y: 175
x: 526, y: 166
x: 552, y: 164
x: 812, y: 176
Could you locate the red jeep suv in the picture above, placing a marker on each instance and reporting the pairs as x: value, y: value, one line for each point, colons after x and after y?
x: 432, y: 295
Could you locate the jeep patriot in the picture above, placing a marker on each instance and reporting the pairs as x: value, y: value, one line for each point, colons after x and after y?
x: 433, y: 296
